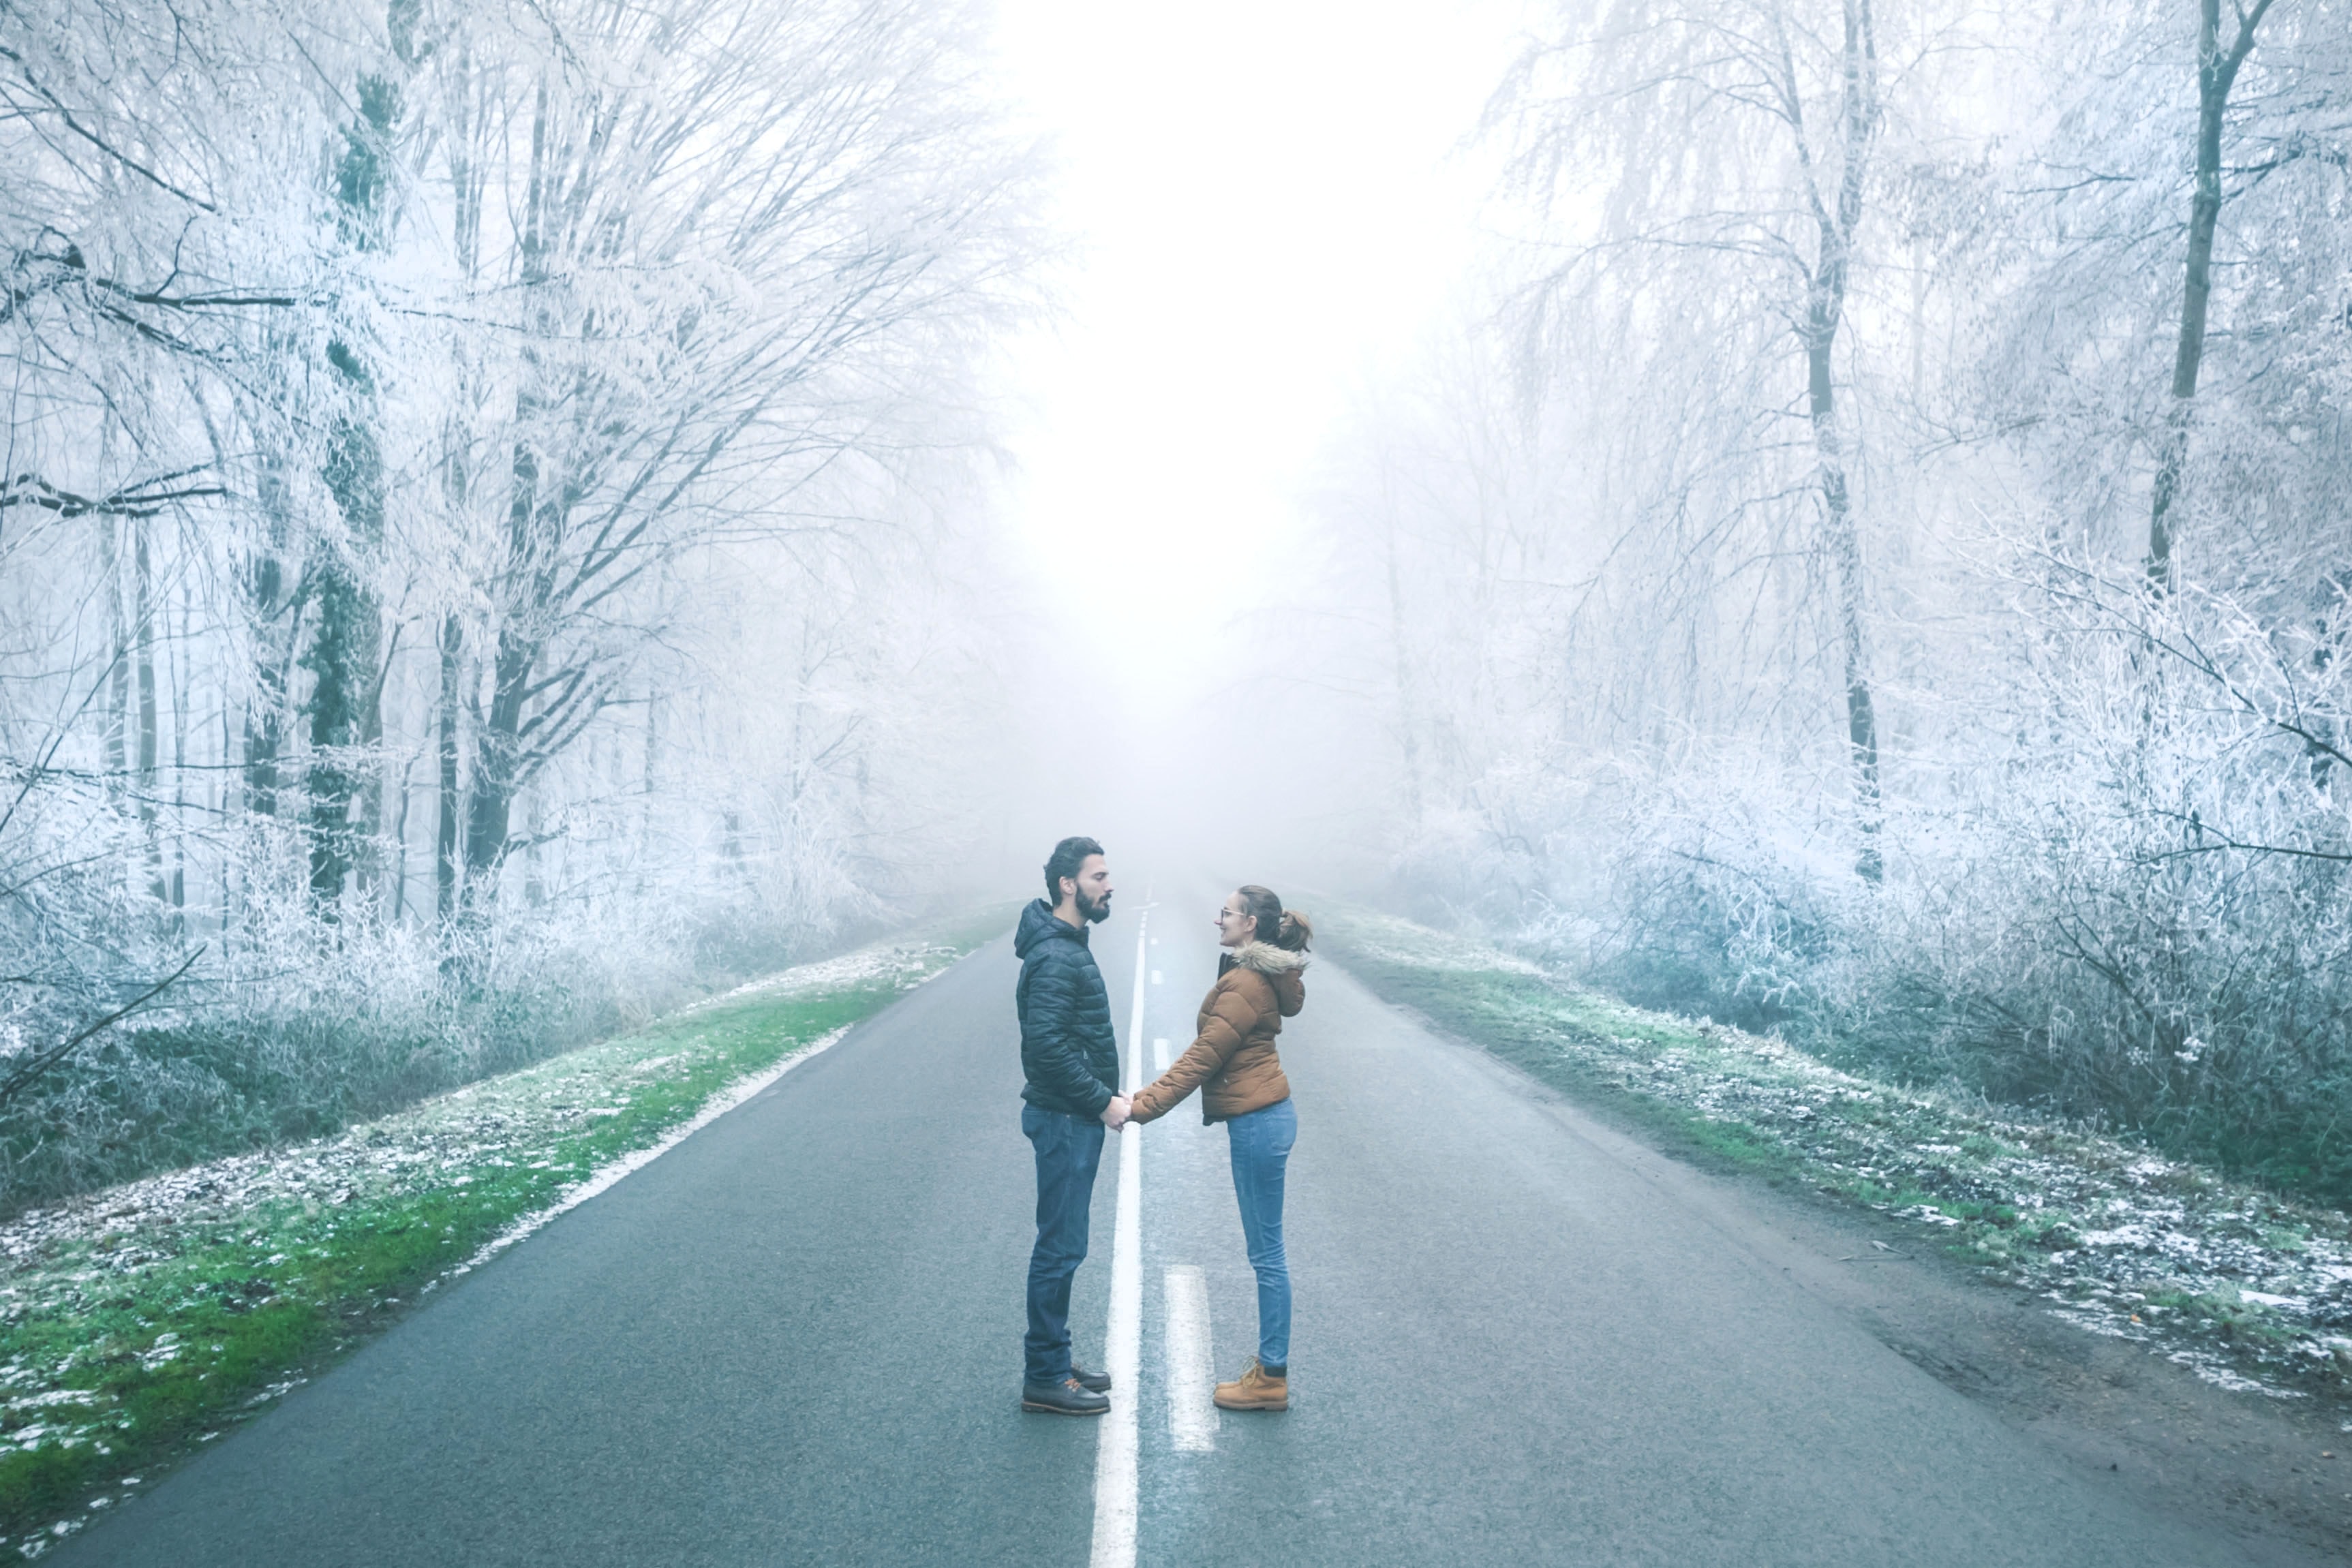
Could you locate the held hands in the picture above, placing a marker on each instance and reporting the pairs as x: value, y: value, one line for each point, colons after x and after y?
x: 1115, y: 1115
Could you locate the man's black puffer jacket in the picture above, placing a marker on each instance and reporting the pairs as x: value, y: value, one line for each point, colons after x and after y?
x: 1067, y: 1050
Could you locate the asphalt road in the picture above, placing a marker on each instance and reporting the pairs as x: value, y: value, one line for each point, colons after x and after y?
x: 795, y: 1339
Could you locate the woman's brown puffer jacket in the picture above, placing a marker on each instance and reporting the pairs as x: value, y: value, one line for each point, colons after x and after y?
x: 1232, y: 1062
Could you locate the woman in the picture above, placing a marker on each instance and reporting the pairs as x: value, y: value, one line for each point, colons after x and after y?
x: 1233, y: 1065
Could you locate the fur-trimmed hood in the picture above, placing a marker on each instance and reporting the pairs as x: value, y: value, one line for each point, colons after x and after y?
x: 1268, y: 959
x: 1281, y: 968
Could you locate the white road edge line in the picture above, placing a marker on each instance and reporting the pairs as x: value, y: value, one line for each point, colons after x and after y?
x: 726, y: 1100
x: 1191, y: 1414
x: 1115, y: 1479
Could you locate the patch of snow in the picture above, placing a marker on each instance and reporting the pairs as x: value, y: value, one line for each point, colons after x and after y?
x: 2213, y: 1370
x: 2097, y: 1323
x: 54, y: 1397
x: 2132, y: 1236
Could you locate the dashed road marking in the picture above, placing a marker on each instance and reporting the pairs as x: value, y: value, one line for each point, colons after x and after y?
x: 1191, y: 1414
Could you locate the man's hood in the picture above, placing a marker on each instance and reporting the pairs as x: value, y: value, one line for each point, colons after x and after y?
x: 1040, y: 923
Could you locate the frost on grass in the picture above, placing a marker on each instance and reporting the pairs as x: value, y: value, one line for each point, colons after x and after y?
x: 116, y: 1261
x: 2250, y: 1290
x: 904, y: 966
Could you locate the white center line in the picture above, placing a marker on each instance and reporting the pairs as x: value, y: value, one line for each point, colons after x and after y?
x: 1191, y: 1414
x: 1115, y: 1485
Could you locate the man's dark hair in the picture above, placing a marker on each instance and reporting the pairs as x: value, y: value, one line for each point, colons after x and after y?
x: 1068, y: 857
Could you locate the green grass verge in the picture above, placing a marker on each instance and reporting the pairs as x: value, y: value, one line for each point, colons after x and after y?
x: 1531, y: 1021
x: 125, y: 1345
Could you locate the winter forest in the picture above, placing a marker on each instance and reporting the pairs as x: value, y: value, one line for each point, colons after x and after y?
x: 1870, y: 564
x: 482, y: 486
x: 513, y: 517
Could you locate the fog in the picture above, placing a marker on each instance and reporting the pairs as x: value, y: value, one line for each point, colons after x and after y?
x: 1268, y: 210
x: 1822, y: 514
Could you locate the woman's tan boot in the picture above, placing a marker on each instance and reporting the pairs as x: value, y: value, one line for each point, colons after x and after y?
x: 1256, y: 1389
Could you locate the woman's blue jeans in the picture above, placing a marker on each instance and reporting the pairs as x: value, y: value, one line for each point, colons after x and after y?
x: 1260, y: 1141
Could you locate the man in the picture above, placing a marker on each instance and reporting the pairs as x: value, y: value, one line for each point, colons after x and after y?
x: 1070, y: 1057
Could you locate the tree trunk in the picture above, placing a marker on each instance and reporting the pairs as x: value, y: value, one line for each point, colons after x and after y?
x: 499, y: 744
x: 1844, y: 544
x: 1408, y: 732
x: 648, y: 783
x: 344, y: 657
x: 265, y: 724
x: 2217, y: 73
x: 399, y: 870
x: 180, y: 706
x: 1837, y: 223
x: 534, y: 887
x: 367, y: 831
x: 498, y: 765
x: 444, y: 833
x: 142, y: 642
x: 118, y: 670
x: 341, y: 659
x: 1847, y: 563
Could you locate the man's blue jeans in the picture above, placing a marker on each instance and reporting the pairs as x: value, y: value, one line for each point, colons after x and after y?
x: 1069, y: 1150
x: 1260, y: 1141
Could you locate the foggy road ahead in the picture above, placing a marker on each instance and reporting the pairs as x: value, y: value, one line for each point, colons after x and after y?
x: 795, y: 1339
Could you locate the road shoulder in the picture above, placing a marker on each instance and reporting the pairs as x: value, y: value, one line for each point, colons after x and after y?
x: 2268, y: 1466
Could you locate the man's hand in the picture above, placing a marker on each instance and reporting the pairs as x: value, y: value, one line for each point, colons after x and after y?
x: 1115, y: 1115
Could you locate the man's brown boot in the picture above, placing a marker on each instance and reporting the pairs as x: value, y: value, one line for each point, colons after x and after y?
x: 1256, y: 1389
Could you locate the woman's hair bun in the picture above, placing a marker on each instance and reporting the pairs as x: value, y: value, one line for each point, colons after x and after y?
x: 1296, y: 931
x: 1286, y: 929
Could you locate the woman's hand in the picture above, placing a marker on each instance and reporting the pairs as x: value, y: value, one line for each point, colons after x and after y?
x: 1115, y: 1115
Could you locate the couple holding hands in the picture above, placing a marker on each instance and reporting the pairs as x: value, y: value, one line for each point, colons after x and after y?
x: 1070, y: 1060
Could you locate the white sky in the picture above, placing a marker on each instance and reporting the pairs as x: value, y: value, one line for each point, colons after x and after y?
x: 1268, y: 207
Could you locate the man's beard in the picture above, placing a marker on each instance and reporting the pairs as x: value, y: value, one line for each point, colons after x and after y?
x: 1090, y: 910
